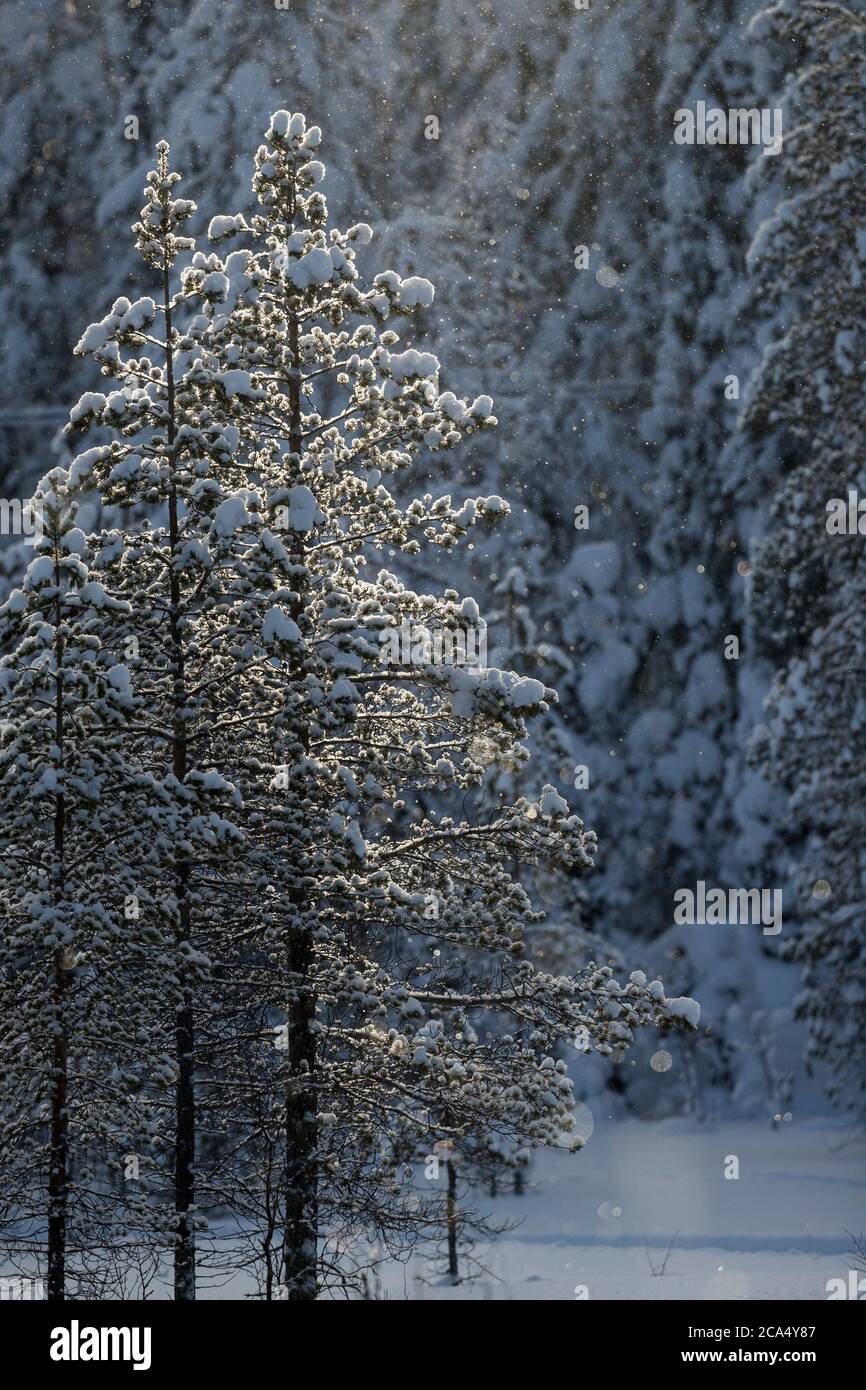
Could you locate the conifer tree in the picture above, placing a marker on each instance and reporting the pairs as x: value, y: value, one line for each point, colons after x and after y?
x: 181, y: 578
x: 72, y: 969
x: 337, y: 936
x: 396, y: 938
x: 809, y: 257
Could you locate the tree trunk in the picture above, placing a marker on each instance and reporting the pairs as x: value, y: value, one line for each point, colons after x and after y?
x: 300, y: 1245
x: 453, y: 1269
x: 58, y: 1164
x: 59, y: 1157
x: 301, y: 1235
x: 185, y: 1117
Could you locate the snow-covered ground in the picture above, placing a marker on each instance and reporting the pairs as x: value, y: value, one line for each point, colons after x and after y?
x: 645, y: 1212
x: 600, y: 1220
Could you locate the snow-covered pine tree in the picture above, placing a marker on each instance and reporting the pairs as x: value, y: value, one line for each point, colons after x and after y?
x: 809, y: 573
x: 73, y: 959
x: 391, y: 941
x: 189, y: 579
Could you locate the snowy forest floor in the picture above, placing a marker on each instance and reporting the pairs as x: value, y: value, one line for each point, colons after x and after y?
x: 779, y: 1231
x: 644, y: 1212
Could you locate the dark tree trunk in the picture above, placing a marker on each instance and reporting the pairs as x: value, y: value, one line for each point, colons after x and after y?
x: 58, y: 1169
x: 185, y: 1116
x: 58, y: 1163
x: 453, y: 1269
x: 301, y: 1236
x: 300, y: 1264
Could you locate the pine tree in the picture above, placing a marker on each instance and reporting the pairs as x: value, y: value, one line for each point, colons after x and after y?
x: 810, y: 580
x: 184, y: 576
x: 311, y: 877
x: 72, y: 970
x: 396, y: 937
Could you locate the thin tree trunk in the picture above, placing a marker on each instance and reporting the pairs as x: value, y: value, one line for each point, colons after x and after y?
x: 270, y: 1220
x: 301, y: 1236
x: 185, y: 1118
x: 453, y: 1269
x: 300, y: 1262
x: 58, y: 1168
